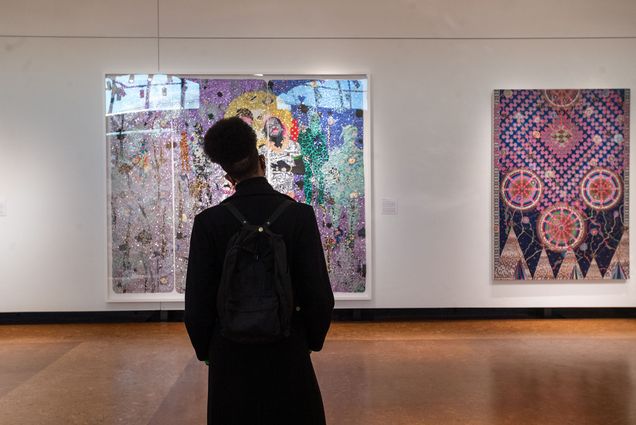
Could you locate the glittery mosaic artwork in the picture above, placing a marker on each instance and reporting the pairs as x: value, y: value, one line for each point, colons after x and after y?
x: 561, y: 174
x: 310, y: 131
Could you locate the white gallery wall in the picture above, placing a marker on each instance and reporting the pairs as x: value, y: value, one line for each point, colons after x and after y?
x: 433, y: 66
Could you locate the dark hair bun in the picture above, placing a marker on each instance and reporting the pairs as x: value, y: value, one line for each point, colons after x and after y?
x: 229, y: 140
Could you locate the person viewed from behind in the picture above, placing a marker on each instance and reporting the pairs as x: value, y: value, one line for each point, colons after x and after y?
x: 258, y: 298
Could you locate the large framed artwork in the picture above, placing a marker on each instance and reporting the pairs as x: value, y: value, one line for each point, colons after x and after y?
x: 561, y: 184
x: 313, y: 131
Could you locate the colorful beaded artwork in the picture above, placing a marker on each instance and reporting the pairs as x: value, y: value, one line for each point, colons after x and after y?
x: 561, y: 173
x: 311, y: 132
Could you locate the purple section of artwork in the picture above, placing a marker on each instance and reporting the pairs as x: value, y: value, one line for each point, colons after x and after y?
x: 199, y: 184
x: 141, y: 205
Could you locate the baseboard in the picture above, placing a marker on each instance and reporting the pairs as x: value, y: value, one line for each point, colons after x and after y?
x: 92, y: 317
x: 342, y: 315
x: 385, y: 314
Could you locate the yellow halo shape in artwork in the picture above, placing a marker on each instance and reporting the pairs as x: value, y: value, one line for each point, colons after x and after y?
x: 263, y: 105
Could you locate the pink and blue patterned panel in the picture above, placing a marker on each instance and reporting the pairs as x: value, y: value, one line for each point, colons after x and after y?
x: 561, y: 173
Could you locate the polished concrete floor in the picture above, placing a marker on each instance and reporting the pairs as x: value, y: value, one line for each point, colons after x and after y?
x: 544, y: 372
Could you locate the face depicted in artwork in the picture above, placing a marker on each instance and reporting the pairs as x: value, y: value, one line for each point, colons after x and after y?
x: 275, y: 131
x: 274, y: 127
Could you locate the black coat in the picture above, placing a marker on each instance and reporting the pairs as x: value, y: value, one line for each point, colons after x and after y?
x: 260, y: 384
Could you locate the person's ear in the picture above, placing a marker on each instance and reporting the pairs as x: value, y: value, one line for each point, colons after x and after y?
x: 230, y: 179
x: 261, y: 159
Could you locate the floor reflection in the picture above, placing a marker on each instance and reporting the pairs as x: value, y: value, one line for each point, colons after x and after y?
x: 410, y: 373
x: 563, y: 382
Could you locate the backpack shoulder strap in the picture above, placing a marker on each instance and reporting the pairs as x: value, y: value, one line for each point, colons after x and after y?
x: 235, y: 212
x: 278, y: 211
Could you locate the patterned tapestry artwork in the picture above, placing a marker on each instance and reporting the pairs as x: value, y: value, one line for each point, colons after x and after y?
x: 310, y: 131
x: 561, y: 174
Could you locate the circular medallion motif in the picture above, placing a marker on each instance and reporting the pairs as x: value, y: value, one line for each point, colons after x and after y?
x: 521, y: 189
x: 601, y: 189
x: 562, y: 99
x: 561, y: 227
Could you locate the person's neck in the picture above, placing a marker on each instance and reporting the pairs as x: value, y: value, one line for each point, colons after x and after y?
x: 249, y: 178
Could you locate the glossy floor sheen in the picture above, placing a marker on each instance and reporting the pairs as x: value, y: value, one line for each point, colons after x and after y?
x: 462, y: 372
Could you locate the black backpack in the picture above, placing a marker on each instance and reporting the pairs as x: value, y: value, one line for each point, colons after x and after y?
x: 255, y: 299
